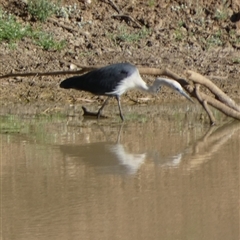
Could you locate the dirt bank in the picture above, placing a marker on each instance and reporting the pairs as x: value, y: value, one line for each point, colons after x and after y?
x: 203, y: 36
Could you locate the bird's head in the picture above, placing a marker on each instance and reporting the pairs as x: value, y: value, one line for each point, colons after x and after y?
x: 173, y: 85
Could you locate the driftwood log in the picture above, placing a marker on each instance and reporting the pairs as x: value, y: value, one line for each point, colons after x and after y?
x: 219, y: 100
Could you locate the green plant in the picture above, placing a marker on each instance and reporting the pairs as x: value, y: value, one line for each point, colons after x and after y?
x: 86, y: 54
x: 47, y: 42
x: 36, y: 126
x: 232, y: 32
x: 215, y: 40
x: 178, y: 35
x: 181, y: 24
x: 8, y: 125
x: 41, y: 9
x: 151, y: 3
x: 10, y: 29
x: 221, y: 14
x: 123, y: 35
x: 135, y: 117
x: 236, y: 60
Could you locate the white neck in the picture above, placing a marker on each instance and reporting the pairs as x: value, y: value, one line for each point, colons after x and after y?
x: 167, y: 82
x: 155, y: 87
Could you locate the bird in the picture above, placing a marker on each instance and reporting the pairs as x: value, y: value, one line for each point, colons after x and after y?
x: 114, y: 80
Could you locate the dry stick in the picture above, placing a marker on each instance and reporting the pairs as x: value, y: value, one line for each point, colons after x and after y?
x: 127, y: 17
x: 163, y: 71
x: 198, y: 78
x: 43, y: 73
x: 83, y: 67
x: 122, y: 15
x: 218, y: 77
x: 209, y: 112
x: 204, y: 104
x: 113, y: 4
x: 62, y: 25
x: 221, y: 107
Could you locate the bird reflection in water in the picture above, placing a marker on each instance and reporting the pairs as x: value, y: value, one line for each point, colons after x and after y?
x: 106, y: 157
x: 131, y: 162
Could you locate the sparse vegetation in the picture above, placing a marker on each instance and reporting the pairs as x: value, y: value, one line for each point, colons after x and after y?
x: 47, y: 42
x: 136, y: 117
x: 123, y: 35
x: 151, y: 3
x: 12, y: 124
x: 66, y: 11
x: 221, y: 15
x: 179, y: 36
x: 11, y: 31
x: 42, y: 9
x: 236, y: 60
x: 215, y: 40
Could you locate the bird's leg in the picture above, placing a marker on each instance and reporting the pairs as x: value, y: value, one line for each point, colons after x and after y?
x: 101, y: 108
x: 120, y: 108
x: 119, y: 134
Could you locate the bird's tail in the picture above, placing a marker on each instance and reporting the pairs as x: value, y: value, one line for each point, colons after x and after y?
x: 69, y: 82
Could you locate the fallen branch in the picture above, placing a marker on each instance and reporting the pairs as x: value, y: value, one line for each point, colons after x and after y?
x: 54, y: 73
x: 125, y: 16
x: 121, y: 14
x: 62, y: 25
x: 28, y: 74
x: 221, y: 106
x: 204, y: 104
x: 198, y: 78
x: 114, y: 5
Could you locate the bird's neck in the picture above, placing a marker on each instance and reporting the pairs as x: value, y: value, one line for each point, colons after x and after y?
x: 165, y: 82
x: 155, y: 87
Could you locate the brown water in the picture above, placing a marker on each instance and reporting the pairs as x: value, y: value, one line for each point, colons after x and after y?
x: 144, y: 180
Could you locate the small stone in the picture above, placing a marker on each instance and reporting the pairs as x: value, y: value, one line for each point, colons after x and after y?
x: 72, y: 66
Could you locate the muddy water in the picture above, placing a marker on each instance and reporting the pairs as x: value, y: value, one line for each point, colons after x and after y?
x: 155, y: 179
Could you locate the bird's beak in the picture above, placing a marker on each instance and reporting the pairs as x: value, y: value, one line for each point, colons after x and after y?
x: 186, y: 96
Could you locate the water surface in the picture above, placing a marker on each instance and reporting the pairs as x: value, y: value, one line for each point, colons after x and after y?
x: 154, y: 179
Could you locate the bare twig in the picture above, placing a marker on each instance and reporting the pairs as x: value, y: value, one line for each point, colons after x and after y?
x: 121, y: 14
x: 127, y: 17
x: 62, y: 25
x: 114, y: 6
x: 218, y: 77
x: 163, y: 71
x: 221, y: 106
x: 204, y: 104
x: 27, y: 74
x: 209, y: 112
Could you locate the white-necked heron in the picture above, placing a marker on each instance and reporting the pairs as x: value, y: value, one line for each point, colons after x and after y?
x: 114, y: 80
